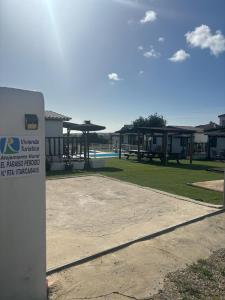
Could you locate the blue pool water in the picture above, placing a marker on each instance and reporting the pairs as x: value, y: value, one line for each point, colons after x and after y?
x: 110, y: 154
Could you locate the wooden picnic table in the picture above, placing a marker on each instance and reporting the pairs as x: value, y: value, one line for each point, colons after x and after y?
x: 150, y: 155
x: 135, y: 153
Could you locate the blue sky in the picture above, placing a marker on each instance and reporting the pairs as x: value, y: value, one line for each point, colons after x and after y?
x: 111, y: 61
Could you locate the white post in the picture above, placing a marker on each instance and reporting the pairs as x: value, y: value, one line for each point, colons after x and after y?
x: 22, y: 195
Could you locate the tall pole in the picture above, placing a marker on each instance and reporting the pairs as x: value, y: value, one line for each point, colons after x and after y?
x: 139, y: 156
x: 120, y: 146
x: 85, y: 148
x: 143, y: 141
x: 165, y: 147
x: 191, y: 148
x: 88, y: 154
x: 209, y: 144
x: 68, y: 144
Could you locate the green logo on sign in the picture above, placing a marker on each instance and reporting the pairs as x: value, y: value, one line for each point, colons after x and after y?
x: 9, y: 145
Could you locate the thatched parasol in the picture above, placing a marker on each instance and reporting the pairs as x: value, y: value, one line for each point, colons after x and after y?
x: 86, y: 127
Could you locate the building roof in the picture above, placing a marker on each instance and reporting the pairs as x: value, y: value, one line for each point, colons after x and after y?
x: 193, y: 128
x: 152, y: 130
x: 51, y: 115
x: 223, y: 115
x: 219, y: 132
x: 210, y: 125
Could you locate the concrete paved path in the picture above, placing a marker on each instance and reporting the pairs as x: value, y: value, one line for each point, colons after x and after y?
x: 137, y: 272
x: 89, y: 214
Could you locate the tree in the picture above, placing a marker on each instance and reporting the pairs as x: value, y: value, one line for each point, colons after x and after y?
x: 154, y: 120
x: 96, y: 138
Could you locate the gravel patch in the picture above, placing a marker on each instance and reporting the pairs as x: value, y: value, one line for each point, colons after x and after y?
x: 202, y: 280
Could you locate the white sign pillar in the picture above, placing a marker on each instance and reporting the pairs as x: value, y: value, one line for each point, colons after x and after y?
x: 22, y: 196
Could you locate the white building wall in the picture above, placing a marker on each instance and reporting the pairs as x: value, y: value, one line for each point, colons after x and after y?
x: 125, y: 139
x: 214, y: 151
x: 220, y: 144
x: 222, y: 121
x: 176, y: 147
x: 200, y: 138
x: 115, y: 140
x: 53, y: 128
x: 157, y: 147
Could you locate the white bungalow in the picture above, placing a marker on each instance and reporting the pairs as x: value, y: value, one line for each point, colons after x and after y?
x: 177, y: 143
x: 54, y: 123
x: 216, y: 140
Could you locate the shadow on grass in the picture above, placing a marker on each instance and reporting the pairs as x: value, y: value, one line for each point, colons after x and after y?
x: 182, y: 165
x: 83, y: 172
x: 106, y: 169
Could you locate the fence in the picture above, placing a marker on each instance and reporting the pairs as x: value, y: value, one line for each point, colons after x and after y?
x: 101, y: 147
x: 63, y: 147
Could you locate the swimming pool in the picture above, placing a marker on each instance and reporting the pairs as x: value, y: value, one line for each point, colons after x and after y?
x: 101, y: 155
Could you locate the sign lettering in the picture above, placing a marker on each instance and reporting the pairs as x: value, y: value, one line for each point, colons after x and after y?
x: 19, y: 156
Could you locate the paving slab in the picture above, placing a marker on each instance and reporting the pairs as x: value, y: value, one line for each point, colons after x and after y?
x: 89, y: 214
x: 138, y: 271
x: 214, y: 185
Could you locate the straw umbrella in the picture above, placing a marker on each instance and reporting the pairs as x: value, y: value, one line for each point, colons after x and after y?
x: 86, y: 128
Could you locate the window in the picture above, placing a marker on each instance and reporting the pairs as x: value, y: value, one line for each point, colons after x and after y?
x: 154, y: 141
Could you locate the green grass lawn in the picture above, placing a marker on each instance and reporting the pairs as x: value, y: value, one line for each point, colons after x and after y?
x: 172, y: 178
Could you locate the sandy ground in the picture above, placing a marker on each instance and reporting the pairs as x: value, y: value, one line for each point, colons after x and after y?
x: 215, y: 185
x: 138, y: 271
x: 89, y: 214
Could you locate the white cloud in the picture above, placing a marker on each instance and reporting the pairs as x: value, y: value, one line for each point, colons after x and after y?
x: 179, y: 56
x: 151, y: 53
x: 141, y: 72
x: 161, y: 39
x: 203, y: 38
x: 150, y: 16
x: 114, y: 77
x: 140, y: 48
x: 131, y: 3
